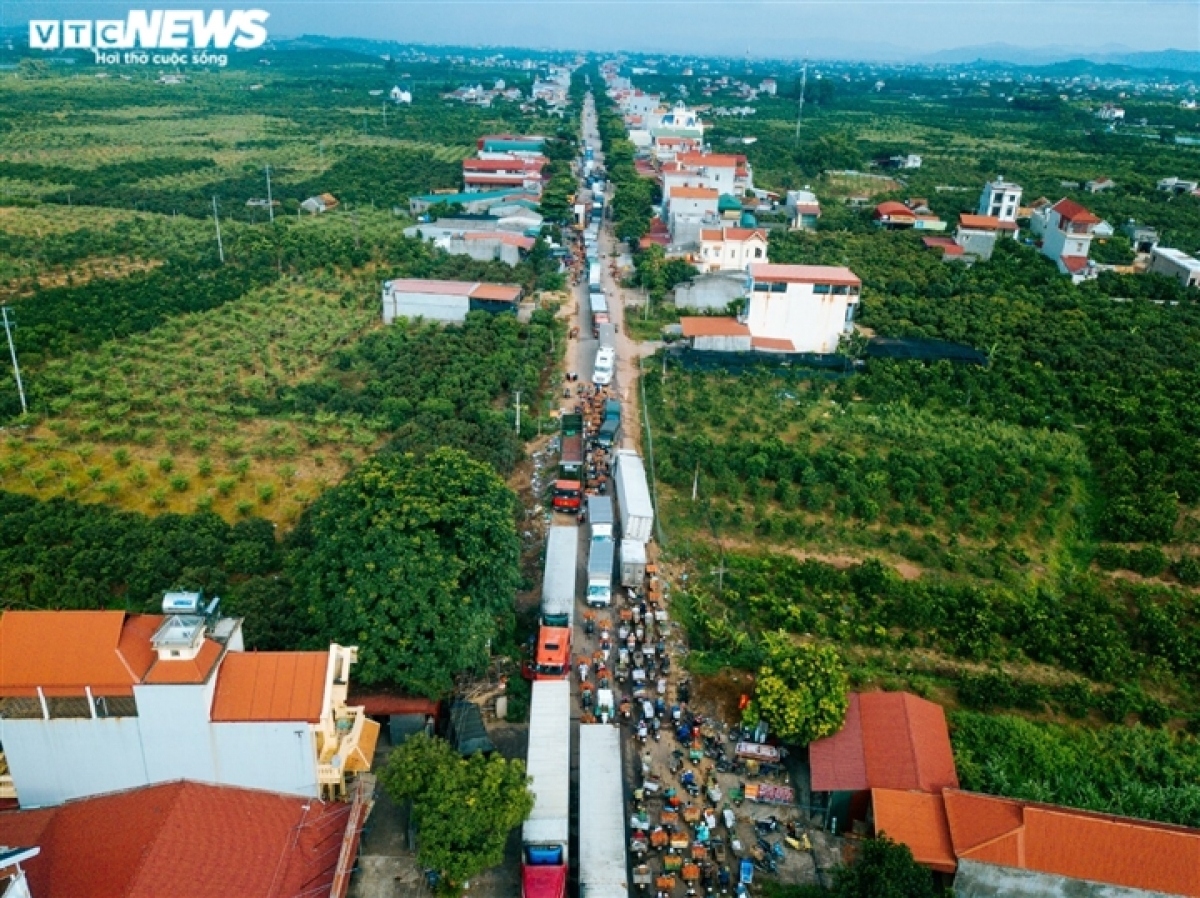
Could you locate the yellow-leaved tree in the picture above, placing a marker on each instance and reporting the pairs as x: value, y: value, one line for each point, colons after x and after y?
x: 801, y: 689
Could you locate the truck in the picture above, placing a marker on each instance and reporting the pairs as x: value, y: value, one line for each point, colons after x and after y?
x: 600, y: 514
x: 609, y: 433
x: 572, y: 474
x: 602, y: 370
x: 607, y: 334
x: 603, y: 859
x: 633, y: 496
x: 552, y: 654
x: 594, y: 272
x: 545, y: 834
x: 601, y: 557
x: 633, y: 563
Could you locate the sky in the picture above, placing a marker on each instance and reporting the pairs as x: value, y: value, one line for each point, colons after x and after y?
x: 882, y: 29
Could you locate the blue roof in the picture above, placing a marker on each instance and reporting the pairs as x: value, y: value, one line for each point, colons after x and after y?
x: 468, y: 197
x: 512, y: 146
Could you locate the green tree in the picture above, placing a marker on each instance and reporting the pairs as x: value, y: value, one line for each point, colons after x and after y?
x: 413, y: 559
x: 464, y: 808
x: 883, y: 869
x: 801, y: 690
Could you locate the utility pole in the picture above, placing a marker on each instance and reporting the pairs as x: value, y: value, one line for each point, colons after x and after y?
x: 12, y: 349
x: 800, y: 109
x: 518, y: 412
x: 270, y: 206
x: 217, y: 221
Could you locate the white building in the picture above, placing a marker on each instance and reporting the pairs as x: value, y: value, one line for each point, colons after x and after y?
x: 1000, y: 199
x: 99, y: 701
x: 977, y: 234
x: 1067, y: 230
x: 447, y: 301
x: 400, y: 96
x: 801, y: 308
x: 768, y: 86
x: 1175, y: 263
x: 731, y: 249
x: 1111, y: 113
x: 804, y: 210
x: 680, y: 121
x: 725, y: 173
x: 690, y: 209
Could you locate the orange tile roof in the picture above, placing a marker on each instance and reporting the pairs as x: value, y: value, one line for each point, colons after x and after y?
x: 1075, y: 264
x: 1061, y: 841
x: 902, y: 741
x: 805, y: 274
x: 893, y: 209
x: 712, y: 326
x: 985, y: 223
x: 183, y: 839
x: 774, y: 344
x: 734, y: 234
x: 497, y: 292
x: 712, y: 160
x: 361, y: 759
x: 693, y: 193
x: 270, y: 686
x: 181, y: 672
x: 65, y: 651
x: 918, y: 820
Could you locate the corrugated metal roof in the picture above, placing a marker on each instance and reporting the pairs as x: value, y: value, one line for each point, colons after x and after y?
x: 805, y: 274
x: 254, y: 686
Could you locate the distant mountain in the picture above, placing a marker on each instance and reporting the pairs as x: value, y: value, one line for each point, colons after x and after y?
x: 1172, y: 60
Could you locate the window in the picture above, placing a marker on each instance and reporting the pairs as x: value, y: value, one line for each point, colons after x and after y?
x: 762, y: 288
x: 821, y: 289
x: 840, y: 290
x: 779, y: 288
x: 758, y: 252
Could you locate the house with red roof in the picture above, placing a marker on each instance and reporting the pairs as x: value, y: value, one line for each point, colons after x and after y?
x: 977, y: 234
x: 890, y: 740
x: 1001, y: 846
x: 1067, y: 229
x: 446, y: 301
x: 731, y: 249
x: 186, y: 840
x: 99, y: 701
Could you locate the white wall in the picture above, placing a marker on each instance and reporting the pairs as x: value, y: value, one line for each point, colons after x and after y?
x: 1057, y: 243
x: 433, y: 307
x: 175, y: 732
x: 813, y: 323
x: 53, y: 761
x: 278, y: 757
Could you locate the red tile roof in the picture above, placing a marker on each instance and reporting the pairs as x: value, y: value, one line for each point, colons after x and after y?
x: 732, y: 234
x: 805, y: 274
x: 531, y: 166
x: 893, y: 209
x: 182, y: 839
x: 1078, y: 844
x: 497, y: 292
x: 470, y: 289
x: 1074, y: 264
x: 918, y: 820
x: 282, y: 686
x: 1071, y: 211
x: 903, y: 743
x: 196, y: 670
x: 712, y: 160
x: 65, y: 651
x: 706, y: 326
x: 985, y: 223
x: 773, y: 344
x: 693, y: 193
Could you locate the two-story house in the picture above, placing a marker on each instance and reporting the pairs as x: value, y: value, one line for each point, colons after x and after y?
x: 689, y: 210
x: 1000, y: 199
x: 731, y: 249
x: 99, y: 701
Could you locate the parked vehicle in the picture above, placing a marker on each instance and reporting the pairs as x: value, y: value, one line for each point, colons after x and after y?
x: 633, y: 496
x: 572, y: 474
x: 609, y: 433
x: 603, y: 851
x: 552, y: 653
x: 600, y: 516
x: 607, y: 335
x: 545, y: 834
x: 600, y: 572
x: 602, y: 371
x: 633, y: 563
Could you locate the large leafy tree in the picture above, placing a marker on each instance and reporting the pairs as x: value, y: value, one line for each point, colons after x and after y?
x: 883, y: 869
x: 801, y: 689
x: 413, y: 559
x: 464, y: 808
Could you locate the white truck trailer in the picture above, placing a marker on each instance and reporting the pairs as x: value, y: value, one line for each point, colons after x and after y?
x: 603, y: 864
x: 558, y: 578
x: 633, y: 496
x: 601, y: 559
x: 545, y: 835
x: 600, y: 515
x: 633, y: 563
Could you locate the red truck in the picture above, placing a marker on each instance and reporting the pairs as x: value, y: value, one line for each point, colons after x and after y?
x: 572, y: 473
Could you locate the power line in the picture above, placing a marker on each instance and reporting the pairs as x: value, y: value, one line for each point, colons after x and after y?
x: 12, y: 349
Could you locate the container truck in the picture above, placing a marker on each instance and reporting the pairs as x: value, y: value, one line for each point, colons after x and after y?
x: 633, y: 563
x: 552, y: 654
x: 607, y: 334
x: 603, y: 863
x: 594, y: 272
x: 609, y: 433
x: 572, y: 475
x: 633, y: 496
x: 600, y: 514
x: 545, y: 834
x: 602, y: 371
x: 600, y: 572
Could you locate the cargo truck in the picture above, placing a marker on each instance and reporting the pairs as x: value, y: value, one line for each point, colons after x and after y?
x: 633, y: 563
x: 601, y: 558
x: 545, y: 834
x: 633, y: 496
x: 594, y: 272
x: 600, y: 515
x: 552, y: 654
x: 572, y: 475
x: 603, y: 861
x: 607, y: 334
x: 602, y: 370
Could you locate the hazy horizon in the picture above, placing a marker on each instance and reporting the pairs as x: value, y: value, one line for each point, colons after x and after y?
x: 867, y: 29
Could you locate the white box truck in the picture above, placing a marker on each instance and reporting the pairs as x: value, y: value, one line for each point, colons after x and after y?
x: 633, y: 563
x: 600, y: 514
x: 594, y: 274
x: 633, y: 496
x: 601, y: 558
x: 545, y: 835
x: 603, y: 864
